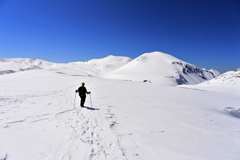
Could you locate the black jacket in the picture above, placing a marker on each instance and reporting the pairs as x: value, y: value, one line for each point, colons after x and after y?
x: 82, y: 91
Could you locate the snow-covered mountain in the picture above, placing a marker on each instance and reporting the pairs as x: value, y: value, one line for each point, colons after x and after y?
x: 164, y: 68
x: 227, y: 82
x: 150, y: 67
x: 94, y: 67
x: 231, y: 78
x: 108, y: 63
x: 12, y: 65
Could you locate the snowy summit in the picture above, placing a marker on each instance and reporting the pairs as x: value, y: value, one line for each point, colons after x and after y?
x: 164, y: 68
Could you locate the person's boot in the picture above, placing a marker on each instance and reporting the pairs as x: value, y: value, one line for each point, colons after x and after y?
x: 82, y: 104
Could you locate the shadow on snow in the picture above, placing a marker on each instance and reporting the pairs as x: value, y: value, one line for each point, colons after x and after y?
x: 91, y: 108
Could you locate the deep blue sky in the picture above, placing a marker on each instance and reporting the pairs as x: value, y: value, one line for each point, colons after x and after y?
x: 203, y: 32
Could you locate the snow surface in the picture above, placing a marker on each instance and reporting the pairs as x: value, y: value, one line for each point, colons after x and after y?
x: 129, y: 120
x: 109, y: 63
x: 228, y: 82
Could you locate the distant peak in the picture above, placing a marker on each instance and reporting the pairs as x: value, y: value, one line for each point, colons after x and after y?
x: 157, y: 55
x: 110, y: 57
x: 115, y: 56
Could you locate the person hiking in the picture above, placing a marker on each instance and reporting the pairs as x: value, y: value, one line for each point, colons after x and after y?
x: 82, y: 91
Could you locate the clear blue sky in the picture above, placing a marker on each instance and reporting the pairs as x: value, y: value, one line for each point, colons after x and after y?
x: 203, y: 32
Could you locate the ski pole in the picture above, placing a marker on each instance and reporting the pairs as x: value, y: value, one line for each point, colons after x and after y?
x: 91, y: 100
x: 74, y: 102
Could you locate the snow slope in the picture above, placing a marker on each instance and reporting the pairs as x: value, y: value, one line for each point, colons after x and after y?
x: 163, y: 68
x: 12, y: 65
x: 108, y: 63
x: 128, y: 120
x: 95, y: 67
x: 228, y: 82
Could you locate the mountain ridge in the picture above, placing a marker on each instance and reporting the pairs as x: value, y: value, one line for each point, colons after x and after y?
x: 150, y: 66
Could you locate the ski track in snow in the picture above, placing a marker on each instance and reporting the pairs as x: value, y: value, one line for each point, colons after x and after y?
x: 92, y: 129
x: 89, y: 128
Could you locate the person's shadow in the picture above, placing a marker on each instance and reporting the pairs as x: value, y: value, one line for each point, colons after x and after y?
x: 91, y: 108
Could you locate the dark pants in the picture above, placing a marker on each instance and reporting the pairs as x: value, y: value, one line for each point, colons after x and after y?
x: 83, y: 98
